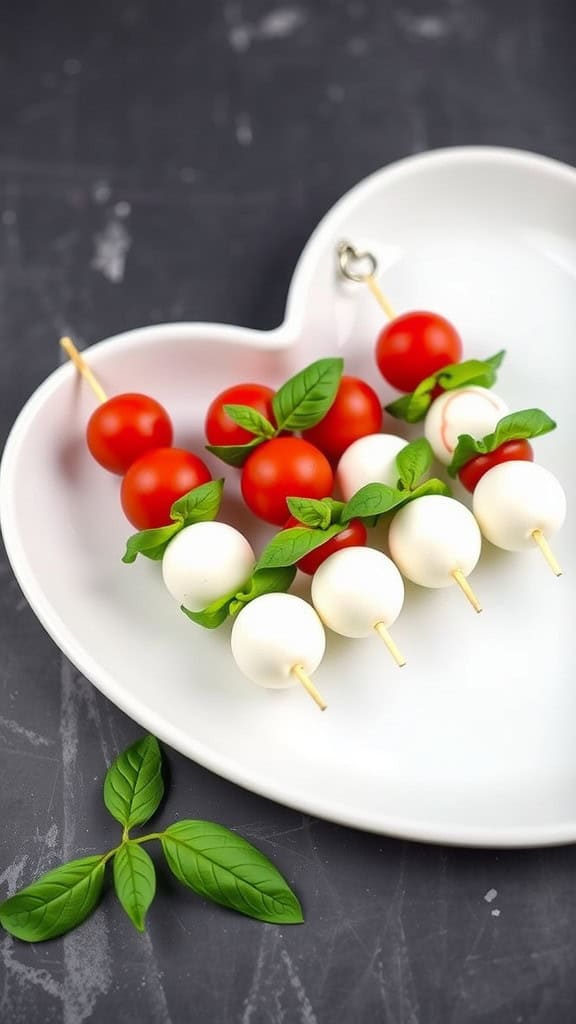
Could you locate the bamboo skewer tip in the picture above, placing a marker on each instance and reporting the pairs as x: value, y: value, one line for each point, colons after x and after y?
x: 82, y: 366
x: 303, y: 678
x: 459, y: 578
x: 390, y: 644
x: 539, y: 539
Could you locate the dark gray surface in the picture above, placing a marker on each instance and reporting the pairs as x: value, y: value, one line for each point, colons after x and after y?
x: 229, y: 129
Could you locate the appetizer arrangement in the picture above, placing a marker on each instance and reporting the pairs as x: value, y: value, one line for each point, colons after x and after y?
x: 314, y: 461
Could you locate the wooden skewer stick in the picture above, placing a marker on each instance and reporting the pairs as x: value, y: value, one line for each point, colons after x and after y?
x: 546, y: 550
x: 308, y: 685
x: 459, y: 577
x: 385, y: 636
x: 379, y: 296
x: 83, y: 368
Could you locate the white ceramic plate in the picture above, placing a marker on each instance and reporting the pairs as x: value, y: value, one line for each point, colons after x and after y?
x: 474, y: 741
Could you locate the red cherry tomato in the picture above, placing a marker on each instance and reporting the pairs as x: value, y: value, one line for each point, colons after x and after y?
x: 220, y: 429
x: 154, y: 482
x: 414, y: 346
x: 510, y: 451
x: 125, y: 427
x: 356, y: 411
x: 352, y: 536
x: 282, y: 468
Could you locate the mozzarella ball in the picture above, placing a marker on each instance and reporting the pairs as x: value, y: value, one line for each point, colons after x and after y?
x: 514, y: 499
x: 355, y: 588
x: 274, y: 633
x: 204, y: 562
x: 371, y: 459
x: 468, y: 410
x: 431, y: 537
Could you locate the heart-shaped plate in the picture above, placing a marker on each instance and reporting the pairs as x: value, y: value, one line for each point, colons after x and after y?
x: 473, y: 742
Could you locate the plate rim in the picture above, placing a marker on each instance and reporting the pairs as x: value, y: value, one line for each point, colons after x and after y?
x: 392, y: 825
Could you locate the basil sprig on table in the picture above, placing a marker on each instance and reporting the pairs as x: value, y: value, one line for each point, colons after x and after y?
x: 517, y: 426
x: 324, y: 518
x: 208, y: 858
x: 201, y: 505
x: 299, y: 404
x: 472, y: 372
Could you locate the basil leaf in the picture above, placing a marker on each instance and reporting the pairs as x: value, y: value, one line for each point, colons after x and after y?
x: 372, y: 500
x: 467, y: 448
x: 56, y: 902
x: 413, y: 461
x: 433, y: 486
x: 133, y: 787
x: 399, y: 407
x: 517, y: 426
x: 263, y: 581
x: 151, y: 543
x: 201, y: 505
x: 234, y: 454
x: 472, y: 372
x: 306, y: 398
x: 310, y: 511
x: 250, y: 419
x: 520, y: 425
x: 212, y: 616
x: 289, y: 546
x: 223, y: 867
x: 134, y: 881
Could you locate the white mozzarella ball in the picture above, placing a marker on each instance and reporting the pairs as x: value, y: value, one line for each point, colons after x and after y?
x: 468, y: 410
x: 272, y: 635
x: 431, y: 537
x: 204, y: 562
x: 371, y: 459
x: 514, y: 499
x: 355, y: 588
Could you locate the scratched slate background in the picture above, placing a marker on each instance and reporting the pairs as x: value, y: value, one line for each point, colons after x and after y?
x: 168, y: 161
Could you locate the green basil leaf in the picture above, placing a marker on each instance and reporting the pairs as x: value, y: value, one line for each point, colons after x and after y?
x: 467, y: 448
x: 413, y: 461
x: 201, y: 505
x: 133, y: 787
x: 263, y: 581
x: 399, y: 408
x: 372, y: 500
x: 134, y: 881
x: 289, y: 546
x: 223, y: 867
x: 234, y: 454
x: 306, y: 398
x: 56, y: 902
x: 518, y: 426
x: 472, y: 372
x: 310, y: 511
x: 151, y: 543
x: 250, y: 419
x: 433, y: 486
x: 212, y: 616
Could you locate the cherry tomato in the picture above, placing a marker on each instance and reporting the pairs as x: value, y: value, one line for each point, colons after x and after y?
x: 282, y: 468
x: 352, y: 536
x: 125, y: 427
x: 155, y: 481
x: 414, y: 346
x: 356, y: 411
x: 510, y: 451
x: 220, y: 429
